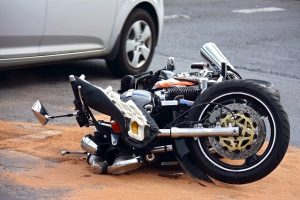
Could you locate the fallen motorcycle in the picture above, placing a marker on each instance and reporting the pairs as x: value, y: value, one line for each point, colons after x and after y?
x: 215, y: 123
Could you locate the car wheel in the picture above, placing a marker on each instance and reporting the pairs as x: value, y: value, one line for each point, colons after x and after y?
x: 137, y: 42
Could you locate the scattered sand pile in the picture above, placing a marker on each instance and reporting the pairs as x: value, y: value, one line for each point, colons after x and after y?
x: 73, y: 174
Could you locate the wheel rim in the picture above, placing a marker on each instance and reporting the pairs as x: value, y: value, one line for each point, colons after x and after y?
x: 267, y: 150
x: 138, y: 44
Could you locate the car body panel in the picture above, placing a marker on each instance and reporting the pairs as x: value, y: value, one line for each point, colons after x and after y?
x: 75, y: 25
x: 72, y: 29
x: 21, y: 27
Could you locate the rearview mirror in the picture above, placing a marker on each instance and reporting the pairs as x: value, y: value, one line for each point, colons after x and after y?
x: 40, y: 112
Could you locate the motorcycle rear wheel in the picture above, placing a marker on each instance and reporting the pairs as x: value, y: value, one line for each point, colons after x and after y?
x: 223, y: 160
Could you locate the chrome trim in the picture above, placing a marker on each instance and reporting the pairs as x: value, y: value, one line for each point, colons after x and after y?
x: 65, y: 152
x: 203, y: 83
x: 106, y: 124
x: 175, y: 132
x: 52, y: 58
x: 164, y: 133
x: 51, y: 55
x: 114, y: 139
x: 169, y: 103
x: 162, y: 149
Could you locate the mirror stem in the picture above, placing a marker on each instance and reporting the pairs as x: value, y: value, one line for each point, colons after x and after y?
x: 58, y: 116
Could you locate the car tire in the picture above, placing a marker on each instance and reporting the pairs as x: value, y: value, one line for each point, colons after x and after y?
x: 137, y: 42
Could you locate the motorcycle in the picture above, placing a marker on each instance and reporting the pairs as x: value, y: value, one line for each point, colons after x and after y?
x: 216, y: 124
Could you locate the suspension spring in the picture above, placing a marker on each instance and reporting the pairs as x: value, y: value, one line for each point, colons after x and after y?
x: 189, y: 93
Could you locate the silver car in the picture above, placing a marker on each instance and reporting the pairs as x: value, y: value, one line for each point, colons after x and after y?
x: 122, y: 32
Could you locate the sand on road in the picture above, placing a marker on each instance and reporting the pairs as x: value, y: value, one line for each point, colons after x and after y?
x: 73, y: 175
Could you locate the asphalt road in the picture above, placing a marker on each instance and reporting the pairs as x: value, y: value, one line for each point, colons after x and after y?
x: 262, y: 45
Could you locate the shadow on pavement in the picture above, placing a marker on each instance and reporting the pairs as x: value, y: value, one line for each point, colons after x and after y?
x: 53, y: 73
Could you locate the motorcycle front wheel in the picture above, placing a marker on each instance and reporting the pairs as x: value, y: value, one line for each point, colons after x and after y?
x: 264, y: 131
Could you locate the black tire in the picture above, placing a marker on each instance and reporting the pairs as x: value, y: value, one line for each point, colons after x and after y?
x: 121, y: 65
x: 266, y: 104
x: 268, y: 85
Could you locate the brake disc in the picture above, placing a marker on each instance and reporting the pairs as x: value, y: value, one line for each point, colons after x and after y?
x: 252, y: 132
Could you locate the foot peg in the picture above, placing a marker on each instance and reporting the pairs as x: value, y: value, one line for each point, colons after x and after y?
x: 65, y: 152
x: 121, y: 166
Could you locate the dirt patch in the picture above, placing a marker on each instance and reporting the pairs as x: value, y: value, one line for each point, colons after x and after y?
x: 72, y: 174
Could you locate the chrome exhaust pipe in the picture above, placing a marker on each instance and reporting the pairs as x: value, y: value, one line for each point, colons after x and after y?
x: 97, y: 165
x: 162, y: 149
x: 123, y: 166
x: 88, y: 145
x: 211, y: 53
x: 175, y: 132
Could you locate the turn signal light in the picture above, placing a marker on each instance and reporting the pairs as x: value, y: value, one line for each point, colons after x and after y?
x: 134, y: 128
x: 116, y: 127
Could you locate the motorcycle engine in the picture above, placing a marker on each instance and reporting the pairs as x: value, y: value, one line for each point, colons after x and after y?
x: 141, y: 98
